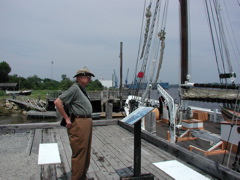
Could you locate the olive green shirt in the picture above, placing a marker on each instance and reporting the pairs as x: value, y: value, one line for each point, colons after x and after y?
x: 76, y: 101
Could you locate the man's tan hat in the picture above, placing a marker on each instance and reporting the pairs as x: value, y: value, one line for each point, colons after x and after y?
x: 84, y: 72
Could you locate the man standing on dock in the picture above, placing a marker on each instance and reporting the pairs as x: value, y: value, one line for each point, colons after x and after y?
x: 78, y: 123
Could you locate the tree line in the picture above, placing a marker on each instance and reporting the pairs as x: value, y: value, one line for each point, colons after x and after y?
x: 36, y: 83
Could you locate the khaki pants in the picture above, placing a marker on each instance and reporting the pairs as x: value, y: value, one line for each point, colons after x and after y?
x: 80, y: 137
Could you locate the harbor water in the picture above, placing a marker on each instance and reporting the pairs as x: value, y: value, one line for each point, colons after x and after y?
x: 174, y: 93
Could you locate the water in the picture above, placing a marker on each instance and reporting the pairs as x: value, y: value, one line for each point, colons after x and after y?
x: 174, y: 92
x: 21, y: 119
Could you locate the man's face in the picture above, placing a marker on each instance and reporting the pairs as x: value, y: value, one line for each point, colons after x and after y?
x: 84, y: 80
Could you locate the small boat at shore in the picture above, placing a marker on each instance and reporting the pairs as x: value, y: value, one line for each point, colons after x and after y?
x: 24, y: 92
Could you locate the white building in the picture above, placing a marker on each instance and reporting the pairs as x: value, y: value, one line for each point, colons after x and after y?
x: 107, y: 83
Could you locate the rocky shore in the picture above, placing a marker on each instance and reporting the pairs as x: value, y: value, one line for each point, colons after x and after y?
x: 9, y: 108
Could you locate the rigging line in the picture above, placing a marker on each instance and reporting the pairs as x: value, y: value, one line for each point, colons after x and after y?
x: 164, y: 19
x: 139, y: 45
x: 219, y: 37
x: 155, y: 47
x: 234, y: 118
x: 144, y: 64
x: 148, y: 15
x: 224, y: 51
x: 150, y: 39
x: 211, y: 31
x: 238, y: 2
x: 161, y: 35
x: 155, y: 42
x: 163, y: 23
x: 234, y: 114
x: 136, y: 69
x: 227, y: 55
x: 233, y: 34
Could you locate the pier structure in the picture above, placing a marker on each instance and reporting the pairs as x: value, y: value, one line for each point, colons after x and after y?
x: 99, y: 99
x: 112, y: 150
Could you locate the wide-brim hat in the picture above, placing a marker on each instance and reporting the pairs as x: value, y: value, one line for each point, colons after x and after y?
x: 84, y: 72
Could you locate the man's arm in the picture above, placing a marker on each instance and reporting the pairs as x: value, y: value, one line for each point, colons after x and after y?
x: 59, y: 105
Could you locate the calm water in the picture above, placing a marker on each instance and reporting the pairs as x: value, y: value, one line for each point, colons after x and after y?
x: 18, y: 119
x: 175, y: 95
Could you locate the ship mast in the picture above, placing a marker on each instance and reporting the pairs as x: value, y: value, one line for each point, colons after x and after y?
x: 184, y: 40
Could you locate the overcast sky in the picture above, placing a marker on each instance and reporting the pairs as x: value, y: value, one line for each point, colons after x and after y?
x: 76, y: 33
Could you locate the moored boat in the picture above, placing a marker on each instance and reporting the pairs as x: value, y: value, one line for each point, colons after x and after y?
x: 230, y: 114
x: 23, y: 92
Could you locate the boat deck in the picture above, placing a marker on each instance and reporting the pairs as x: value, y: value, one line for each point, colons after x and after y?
x: 112, y: 150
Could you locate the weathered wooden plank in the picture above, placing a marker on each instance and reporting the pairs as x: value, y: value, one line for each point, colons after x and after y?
x: 31, y: 138
x: 63, y: 168
x: 30, y: 126
x: 105, y: 122
x: 48, y: 171
x: 147, y: 157
x: 105, y: 156
x: 118, y: 148
x: 66, y: 144
x: 127, y: 148
x: 36, y: 141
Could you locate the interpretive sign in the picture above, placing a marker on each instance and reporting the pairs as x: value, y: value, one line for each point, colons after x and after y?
x: 136, y: 115
x: 135, y: 118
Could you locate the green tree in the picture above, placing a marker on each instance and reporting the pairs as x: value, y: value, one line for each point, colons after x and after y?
x: 49, y: 84
x: 95, y: 85
x: 24, y: 83
x: 65, y: 83
x: 64, y: 76
x: 35, y: 81
x: 13, y: 78
x: 5, y: 69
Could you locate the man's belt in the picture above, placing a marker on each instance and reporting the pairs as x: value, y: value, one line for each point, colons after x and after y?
x: 82, y: 116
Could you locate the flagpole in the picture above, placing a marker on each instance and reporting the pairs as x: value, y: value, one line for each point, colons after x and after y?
x: 52, y: 70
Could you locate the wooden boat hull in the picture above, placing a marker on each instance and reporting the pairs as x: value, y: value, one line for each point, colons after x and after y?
x: 24, y: 93
x: 228, y: 114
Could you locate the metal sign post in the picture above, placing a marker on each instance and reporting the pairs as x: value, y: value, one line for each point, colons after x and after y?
x: 135, y: 119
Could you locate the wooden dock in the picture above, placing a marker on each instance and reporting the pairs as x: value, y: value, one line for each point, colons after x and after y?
x: 112, y: 150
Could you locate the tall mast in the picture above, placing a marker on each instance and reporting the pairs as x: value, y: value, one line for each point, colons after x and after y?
x: 121, y: 64
x: 184, y: 39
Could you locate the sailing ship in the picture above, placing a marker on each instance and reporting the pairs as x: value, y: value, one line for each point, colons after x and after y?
x: 226, y: 92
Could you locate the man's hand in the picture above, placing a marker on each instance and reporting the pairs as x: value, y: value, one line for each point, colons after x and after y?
x: 69, y: 124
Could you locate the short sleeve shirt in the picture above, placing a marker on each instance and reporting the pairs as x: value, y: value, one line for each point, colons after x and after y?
x: 76, y: 101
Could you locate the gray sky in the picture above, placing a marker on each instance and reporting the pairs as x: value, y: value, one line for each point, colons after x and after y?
x: 77, y: 33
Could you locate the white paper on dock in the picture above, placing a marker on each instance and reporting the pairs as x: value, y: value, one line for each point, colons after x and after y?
x: 48, y: 154
x: 179, y: 171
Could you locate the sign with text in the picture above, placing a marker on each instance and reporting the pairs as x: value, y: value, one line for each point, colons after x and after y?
x: 136, y: 115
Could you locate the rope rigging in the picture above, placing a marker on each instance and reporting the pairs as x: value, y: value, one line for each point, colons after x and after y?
x: 161, y: 36
x: 218, y: 29
x: 147, y: 48
x: 148, y: 19
x: 151, y: 44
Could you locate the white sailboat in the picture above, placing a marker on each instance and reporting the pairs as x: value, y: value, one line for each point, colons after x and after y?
x: 225, y: 92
